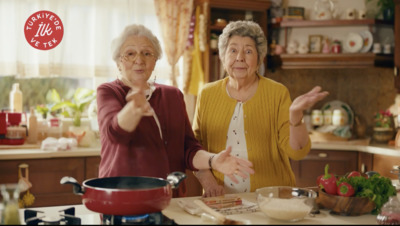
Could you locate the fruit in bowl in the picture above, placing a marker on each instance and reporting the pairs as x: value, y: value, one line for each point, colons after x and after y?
x: 286, y: 203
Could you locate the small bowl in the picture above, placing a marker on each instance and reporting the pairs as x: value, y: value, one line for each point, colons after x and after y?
x: 345, y: 206
x: 221, y: 22
x: 286, y: 203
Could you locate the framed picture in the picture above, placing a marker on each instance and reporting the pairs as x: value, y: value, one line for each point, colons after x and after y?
x: 315, y: 43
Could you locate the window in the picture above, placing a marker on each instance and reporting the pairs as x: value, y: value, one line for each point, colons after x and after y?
x: 83, y: 58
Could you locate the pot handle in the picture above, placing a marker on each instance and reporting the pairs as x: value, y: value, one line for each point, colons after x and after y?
x: 175, y: 178
x: 78, y: 190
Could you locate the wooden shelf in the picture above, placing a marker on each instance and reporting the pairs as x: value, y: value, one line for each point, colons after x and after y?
x: 323, y: 61
x: 343, y: 60
x: 324, y: 23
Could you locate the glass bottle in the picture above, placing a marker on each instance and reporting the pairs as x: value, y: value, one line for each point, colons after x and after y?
x: 10, y: 214
x: 390, y: 212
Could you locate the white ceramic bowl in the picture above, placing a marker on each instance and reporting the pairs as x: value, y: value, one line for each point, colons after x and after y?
x: 286, y: 203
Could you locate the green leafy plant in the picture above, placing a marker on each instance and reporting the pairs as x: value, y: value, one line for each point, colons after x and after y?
x: 76, y: 105
x: 383, y: 119
x: 383, y: 5
x: 377, y: 188
x: 52, y: 98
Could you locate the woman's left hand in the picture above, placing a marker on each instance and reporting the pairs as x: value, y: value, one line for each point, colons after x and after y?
x: 308, y: 99
x: 232, y: 166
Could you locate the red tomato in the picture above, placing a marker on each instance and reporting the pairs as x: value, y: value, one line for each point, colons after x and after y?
x: 354, y: 174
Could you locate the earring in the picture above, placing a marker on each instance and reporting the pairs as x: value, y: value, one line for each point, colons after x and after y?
x: 155, y: 77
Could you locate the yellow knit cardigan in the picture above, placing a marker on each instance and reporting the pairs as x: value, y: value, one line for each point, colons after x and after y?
x: 266, y: 125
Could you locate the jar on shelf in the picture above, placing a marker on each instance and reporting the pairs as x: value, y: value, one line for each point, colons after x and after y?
x: 317, y: 118
x: 338, y: 118
x: 336, y: 47
x: 327, y: 117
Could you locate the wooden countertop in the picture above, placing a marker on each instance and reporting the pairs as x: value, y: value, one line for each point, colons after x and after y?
x: 175, y: 212
x: 27, y: 151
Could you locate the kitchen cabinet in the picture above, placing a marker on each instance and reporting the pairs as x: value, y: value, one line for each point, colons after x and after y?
x: 384, y: 163
x: 45, y: 176
x: 365, y: 162
x: 397, y: 45
x: 229, y: 10
x: 308, y: 169
x: 92, y: 167
x: 330, y: 60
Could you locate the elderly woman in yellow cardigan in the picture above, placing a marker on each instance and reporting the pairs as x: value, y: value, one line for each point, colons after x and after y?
x: 252, y: 114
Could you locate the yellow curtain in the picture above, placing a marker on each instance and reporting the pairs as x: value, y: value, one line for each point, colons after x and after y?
x: 197, y: 75
x: 174, y: 18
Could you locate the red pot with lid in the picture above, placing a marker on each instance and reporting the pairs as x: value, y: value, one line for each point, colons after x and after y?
x: 126, y: 196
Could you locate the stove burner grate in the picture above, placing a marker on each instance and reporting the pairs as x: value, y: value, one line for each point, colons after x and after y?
x: 66, y: 217
x: 145, y: 219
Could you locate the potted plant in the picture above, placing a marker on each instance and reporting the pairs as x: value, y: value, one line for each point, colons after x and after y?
x: 74, y: 108
x: 77, y: 105
x: 386, y: 8
x: 383, y: 130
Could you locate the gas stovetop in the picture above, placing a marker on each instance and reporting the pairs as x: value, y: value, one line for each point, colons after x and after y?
x: 80, y: 215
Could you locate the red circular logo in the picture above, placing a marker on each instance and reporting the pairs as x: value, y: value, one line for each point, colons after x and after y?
x: 43, y: 30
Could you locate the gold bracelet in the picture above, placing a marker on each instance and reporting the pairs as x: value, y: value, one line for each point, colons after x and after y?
x: 297, y: 124
x: 209, y: 161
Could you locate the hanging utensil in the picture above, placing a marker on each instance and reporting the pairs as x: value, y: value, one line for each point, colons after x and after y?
x: 24, y: 185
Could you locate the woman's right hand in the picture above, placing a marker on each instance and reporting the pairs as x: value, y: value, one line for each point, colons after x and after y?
x: 136, y: 107
x: 139, y: 103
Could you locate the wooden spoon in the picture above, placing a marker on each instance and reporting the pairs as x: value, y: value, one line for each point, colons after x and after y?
x: 220, y: 217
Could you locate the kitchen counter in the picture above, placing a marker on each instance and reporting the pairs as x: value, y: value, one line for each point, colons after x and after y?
x: 181, y: 217
x: 26, y: 151
x: 29, y: 151
x: 176, y: 213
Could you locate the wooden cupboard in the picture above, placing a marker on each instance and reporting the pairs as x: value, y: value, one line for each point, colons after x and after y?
x: 397, y: 45
x: 384, y: 163
x: 229, y: 10
x: 45, y: 176
x: 308, y: 169
x: 341, y: 162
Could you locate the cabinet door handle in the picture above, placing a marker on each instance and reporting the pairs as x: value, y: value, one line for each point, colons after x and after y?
x: 322, y: 155
x: 362, y: 168
x: 395, y: 71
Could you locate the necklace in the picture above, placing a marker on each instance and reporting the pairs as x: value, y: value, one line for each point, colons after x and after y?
x: 246, y: 94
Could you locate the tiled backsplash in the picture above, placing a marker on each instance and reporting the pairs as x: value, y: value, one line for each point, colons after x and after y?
x: 365, y: 90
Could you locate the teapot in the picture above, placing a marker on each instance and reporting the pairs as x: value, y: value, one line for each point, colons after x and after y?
x: 324, y: 10
x: 292, y: 47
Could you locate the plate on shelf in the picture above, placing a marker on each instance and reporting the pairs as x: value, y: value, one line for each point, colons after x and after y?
x: 367, y: 41
x: 353, y: 43
x: 345, y: 108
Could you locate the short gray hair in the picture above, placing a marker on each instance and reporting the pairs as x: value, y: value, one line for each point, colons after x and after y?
x: 243, y: 28
x: 132, y: 30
